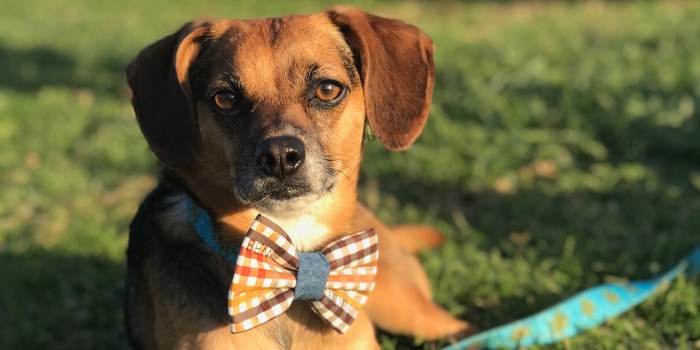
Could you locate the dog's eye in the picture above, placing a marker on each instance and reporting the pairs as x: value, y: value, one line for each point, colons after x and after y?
x: 225, y: 100
x: 328, y: 91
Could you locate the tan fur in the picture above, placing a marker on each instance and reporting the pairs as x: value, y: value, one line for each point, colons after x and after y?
x: 417, y: 238
x: 272, y: 60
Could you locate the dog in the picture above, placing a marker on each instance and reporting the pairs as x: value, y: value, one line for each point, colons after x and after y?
x: 269, y: 117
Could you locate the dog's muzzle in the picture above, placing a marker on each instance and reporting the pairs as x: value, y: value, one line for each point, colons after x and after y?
x: 283, y: 168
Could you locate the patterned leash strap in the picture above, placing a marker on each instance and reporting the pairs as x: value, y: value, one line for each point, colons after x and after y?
x: 577, y: 314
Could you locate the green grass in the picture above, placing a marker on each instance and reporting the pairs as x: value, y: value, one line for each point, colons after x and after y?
x: 563, y: 151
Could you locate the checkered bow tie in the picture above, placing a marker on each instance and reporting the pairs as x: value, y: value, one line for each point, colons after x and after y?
x: 270, y: 274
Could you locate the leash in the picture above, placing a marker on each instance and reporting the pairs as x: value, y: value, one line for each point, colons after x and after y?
x: 577, y: 314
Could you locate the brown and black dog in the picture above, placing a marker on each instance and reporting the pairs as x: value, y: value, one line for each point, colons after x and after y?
x: 268, y: 116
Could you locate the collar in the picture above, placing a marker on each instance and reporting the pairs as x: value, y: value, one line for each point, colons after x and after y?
x: 202, y: 223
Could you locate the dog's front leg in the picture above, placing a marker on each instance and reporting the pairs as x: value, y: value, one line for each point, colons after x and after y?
x: 401, y: 302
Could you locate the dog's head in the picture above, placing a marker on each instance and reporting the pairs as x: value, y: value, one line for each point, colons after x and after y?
x: 270, y: 113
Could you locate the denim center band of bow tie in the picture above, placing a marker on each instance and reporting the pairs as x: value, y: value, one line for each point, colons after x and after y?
x: 312, y: 276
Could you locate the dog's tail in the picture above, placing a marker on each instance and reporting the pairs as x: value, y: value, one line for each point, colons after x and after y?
x: 416, y: 238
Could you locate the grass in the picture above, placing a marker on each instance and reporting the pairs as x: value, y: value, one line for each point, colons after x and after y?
x: 562, y: 151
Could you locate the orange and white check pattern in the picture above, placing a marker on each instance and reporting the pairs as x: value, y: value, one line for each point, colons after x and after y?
x: 266, y: 270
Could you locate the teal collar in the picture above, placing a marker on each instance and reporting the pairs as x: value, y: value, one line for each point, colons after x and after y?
x: 202, y: 223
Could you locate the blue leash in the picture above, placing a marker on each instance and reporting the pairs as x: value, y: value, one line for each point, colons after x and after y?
x: 581, y: 312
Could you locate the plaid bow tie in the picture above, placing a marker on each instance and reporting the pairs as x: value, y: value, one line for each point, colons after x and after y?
x: 270, y: 274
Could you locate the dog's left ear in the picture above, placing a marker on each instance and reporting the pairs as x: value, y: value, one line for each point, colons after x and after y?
x: 161, y: 95
x: 395, y: 61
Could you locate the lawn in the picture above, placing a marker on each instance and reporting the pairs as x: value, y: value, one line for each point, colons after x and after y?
x: 562, y: 151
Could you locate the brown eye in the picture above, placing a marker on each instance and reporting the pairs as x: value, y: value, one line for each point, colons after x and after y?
x: 225, y: 100
x: 328, y: 91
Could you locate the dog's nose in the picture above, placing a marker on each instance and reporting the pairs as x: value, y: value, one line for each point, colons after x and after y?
x: 280, y: 156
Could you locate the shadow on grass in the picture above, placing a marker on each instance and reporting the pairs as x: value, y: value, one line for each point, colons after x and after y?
x: 28, y: 70
x: 54, y: 301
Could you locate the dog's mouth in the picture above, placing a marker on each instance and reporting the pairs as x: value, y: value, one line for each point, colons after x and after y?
x: 285, y: 192
x: 286, y: 198
x: 291, y: 194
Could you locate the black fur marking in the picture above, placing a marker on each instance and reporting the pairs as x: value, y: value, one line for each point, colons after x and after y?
x: 275, y: 30
x: 191, y: 276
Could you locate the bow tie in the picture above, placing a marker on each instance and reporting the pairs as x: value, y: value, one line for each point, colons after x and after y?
x: 270, y: 274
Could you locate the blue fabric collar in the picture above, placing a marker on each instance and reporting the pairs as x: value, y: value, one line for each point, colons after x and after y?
x: 202, y: 223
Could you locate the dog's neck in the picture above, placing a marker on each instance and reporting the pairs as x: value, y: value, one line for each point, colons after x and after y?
x: 203, y: 225
x: 306, y: 232
x: 310, y: 228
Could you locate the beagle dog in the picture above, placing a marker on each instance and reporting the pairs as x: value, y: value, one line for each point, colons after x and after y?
x: 268, y: 117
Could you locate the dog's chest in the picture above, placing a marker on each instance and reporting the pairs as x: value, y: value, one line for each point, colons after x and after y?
x: 305, y: 230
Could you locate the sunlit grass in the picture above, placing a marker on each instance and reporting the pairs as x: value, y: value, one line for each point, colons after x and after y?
x: 562, y: 151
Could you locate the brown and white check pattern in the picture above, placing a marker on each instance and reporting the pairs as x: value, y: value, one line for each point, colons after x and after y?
x: 265, y: 277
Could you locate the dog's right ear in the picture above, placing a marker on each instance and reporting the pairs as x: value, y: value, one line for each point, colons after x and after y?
x: 161, y: 96
x: 395, y: 62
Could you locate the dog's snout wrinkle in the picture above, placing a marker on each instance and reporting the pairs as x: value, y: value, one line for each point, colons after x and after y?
x: 280, y: 157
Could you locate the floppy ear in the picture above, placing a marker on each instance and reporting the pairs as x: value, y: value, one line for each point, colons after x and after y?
x: 395, y: 61
x: 161, y: 96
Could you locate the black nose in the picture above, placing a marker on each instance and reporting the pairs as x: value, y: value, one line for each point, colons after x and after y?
x: 280, y: 156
